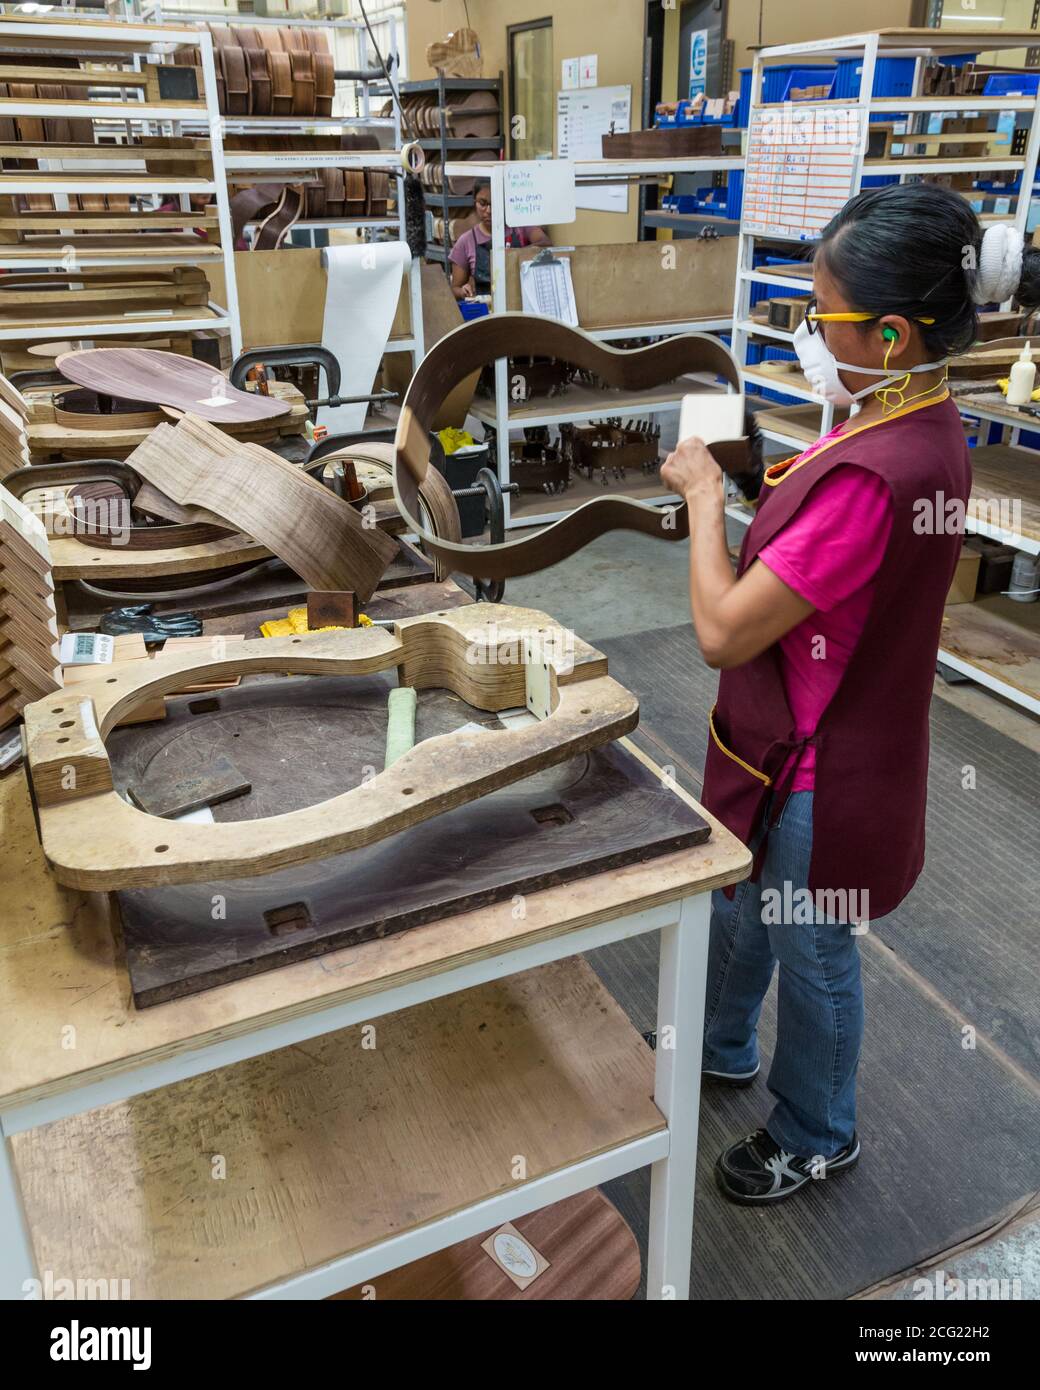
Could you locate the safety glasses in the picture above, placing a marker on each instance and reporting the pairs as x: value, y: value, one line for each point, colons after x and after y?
x: 813, y: 317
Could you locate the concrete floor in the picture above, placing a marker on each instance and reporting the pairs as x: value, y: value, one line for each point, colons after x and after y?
x: 625, y: 583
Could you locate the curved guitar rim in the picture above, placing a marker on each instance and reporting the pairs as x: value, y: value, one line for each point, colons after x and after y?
x: 483, y: 340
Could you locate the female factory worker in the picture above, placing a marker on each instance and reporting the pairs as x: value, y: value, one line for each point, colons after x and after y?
x: 470, y: 257
x: 827, y: 641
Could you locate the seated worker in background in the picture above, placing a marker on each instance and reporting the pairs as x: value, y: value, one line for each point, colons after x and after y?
x: 471, y: 255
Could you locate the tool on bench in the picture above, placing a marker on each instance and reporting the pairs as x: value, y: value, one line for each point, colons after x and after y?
x: 302, y: 355
x: 400, y: 723
x: 486, y: 485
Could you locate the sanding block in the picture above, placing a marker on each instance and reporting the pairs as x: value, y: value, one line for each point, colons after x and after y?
x: 724, y: 419
x: 711, y: 416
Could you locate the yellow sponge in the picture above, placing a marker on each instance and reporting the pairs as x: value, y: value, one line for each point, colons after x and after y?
x: 296, y: 624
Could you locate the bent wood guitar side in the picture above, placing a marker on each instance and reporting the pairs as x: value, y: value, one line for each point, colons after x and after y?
x: 475, y: 344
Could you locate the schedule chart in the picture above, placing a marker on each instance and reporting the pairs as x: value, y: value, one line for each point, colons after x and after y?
x: 800, y: 170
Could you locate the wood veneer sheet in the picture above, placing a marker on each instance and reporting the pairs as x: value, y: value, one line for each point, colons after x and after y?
x: 364, y: 285
x: 250, y: 489
x: 168, y: 378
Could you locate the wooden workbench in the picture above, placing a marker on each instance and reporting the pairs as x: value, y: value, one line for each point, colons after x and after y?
x: 341, y: 1162
x: 341, y: 1152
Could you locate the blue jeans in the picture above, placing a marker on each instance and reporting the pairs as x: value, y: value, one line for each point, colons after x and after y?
x: 819, y: 1001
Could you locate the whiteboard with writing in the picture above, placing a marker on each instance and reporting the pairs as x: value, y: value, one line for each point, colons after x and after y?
x: 583, y: 117
x: 539, y: 191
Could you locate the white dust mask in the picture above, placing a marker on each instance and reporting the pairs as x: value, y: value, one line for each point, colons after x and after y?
x: 822, y: 369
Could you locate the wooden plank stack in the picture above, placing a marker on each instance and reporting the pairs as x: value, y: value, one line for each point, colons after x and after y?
x: 29, y: 662
x: 14, y: 416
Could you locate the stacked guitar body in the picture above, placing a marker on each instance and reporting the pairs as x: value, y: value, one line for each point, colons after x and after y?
x: 323, y: 194
x: 271, y: 70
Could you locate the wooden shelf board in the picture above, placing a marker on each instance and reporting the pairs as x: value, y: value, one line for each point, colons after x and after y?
x: 1002, y: 471
x: 998, y: 636
x: 78, y: 325
x: 106, y: 221
x: 799, y: 421
x: 994, y: 403
x: 679, y: 220
x: 95, y: 181
x: 802, y: 271
x: 117, y: 154
x: 577, y: 398
x: 190, y: 247
x: 58, y: 952
x: 107, y: 107
x: 332, y: 1146
x: 75, y: 35
x: 581, y: 490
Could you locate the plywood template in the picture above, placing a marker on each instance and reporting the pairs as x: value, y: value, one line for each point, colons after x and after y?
x: 233, y: 483
x: 633, y: 370
x: 502, y: 660
x: 167, y: 378
x: 646, y: 282
x: 74, y: 559
x: 592, y: 814
x: 361, y: 1144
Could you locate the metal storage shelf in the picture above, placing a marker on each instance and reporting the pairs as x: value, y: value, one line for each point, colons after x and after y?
x: 921, y: 45
x: 126, y: 41
x: 468, y: 142
x: 579, y: 402
x: 687, y: 221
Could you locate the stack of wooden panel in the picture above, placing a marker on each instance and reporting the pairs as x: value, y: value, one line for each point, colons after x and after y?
x: 29, y: 664
x: 14, y: 416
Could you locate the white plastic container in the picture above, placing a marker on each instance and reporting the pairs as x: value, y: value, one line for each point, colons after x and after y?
x: 1025, y: 577
x: 1023, y: 378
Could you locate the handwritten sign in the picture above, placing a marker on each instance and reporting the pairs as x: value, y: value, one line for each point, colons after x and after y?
x: 539, y: 191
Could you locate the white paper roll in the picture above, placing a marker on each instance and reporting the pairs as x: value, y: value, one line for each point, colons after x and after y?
x: 364, y: 285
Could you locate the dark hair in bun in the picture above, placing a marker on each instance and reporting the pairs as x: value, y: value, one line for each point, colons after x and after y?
x: 914, y: 249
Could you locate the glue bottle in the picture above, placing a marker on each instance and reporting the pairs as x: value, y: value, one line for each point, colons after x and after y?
x: 1023, y: 378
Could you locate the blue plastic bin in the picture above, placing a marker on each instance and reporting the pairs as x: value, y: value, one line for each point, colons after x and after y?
x: 469, y: 310
x: 893, y: 77
x: 1007, y: 84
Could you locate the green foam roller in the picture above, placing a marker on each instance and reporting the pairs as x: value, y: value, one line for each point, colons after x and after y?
x: 400, y: 724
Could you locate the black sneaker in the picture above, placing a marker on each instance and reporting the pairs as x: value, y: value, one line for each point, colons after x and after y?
x: 758, y: 1170
x: 736, y: 1079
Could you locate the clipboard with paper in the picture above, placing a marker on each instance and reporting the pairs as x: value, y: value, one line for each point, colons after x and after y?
x: 546, y: 288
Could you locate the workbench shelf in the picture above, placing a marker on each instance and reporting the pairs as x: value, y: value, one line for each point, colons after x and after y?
x: 752, y: 338
x: 136, y: 43
x: 343, y: 1161
x: 578, y: 402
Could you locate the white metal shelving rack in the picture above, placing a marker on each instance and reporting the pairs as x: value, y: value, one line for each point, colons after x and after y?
x: 921, y: 45
x: 500, y: 414
x: 100, y: 39
x: 273, y: 162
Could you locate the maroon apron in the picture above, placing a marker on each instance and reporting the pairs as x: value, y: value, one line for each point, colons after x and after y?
x: 872, y: 740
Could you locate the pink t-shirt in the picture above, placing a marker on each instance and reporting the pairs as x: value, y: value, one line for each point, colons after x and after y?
x: 829, y: 553
x: 464, y: 252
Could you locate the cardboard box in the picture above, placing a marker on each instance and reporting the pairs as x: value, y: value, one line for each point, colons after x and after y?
x: 965, y: 578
